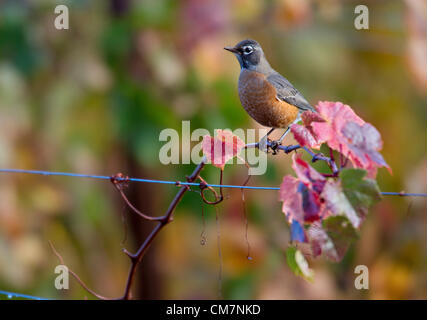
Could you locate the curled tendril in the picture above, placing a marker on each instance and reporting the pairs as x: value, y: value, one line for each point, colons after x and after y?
x: 203, y: 186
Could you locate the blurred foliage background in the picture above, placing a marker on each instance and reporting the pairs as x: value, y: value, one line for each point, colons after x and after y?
x: 94, y: 98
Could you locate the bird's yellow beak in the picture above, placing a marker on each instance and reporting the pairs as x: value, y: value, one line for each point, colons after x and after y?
x: 232, y: 49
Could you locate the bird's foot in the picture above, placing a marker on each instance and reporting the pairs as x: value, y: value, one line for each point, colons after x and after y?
x: 274, y: 146
x: 267, y: 145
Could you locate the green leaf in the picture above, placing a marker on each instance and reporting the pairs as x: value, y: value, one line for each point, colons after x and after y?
x: 298, y: 264
x: 360, y: 191
x: 332, y: 237
x: 339, y: 226
x: 346, y: 202
x: 341, y: 232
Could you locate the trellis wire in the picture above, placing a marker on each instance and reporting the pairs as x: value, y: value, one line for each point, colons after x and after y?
x: 11, y: 295
x: 180, y: 183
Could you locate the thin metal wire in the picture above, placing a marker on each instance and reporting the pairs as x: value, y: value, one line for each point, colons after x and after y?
x: 404, y: 194
x: 11, y: 295
x: 182, y: 183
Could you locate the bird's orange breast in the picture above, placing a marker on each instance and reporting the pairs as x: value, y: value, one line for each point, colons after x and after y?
x: 259, y: 99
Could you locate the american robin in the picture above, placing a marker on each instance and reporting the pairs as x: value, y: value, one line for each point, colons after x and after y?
x: 268, y: 97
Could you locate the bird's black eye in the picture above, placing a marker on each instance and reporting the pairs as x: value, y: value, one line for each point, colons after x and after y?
x: 247, y: 50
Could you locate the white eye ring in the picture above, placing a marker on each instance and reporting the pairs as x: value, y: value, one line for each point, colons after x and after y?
x: 247, y: 49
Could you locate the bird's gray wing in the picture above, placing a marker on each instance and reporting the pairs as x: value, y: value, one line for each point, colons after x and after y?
x: 287, y: 92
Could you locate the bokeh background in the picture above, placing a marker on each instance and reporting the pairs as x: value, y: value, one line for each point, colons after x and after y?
x: 94, y: 98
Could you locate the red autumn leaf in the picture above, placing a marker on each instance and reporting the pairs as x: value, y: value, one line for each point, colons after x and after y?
x: 292, y: 199
x: 304, y: 133
x: 319, y: 241
x: 307, y: 174
x: 336, y: 116
x: 325, y: 125
x: 311, y: 203
x: 337, y: 125
x: 221, y: 148
x: 345, y: 132
x: 304, y: 136
x: 301, y: 196
x: 363, y: 143
x: 337, y: 203
x: 309, y: 116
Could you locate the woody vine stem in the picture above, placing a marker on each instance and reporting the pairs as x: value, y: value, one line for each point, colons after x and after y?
x: 120, y: 182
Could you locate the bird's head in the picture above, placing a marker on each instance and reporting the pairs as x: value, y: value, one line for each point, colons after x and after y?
x: 250, y: 54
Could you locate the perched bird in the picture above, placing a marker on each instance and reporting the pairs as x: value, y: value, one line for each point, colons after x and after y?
x: 268, y: 97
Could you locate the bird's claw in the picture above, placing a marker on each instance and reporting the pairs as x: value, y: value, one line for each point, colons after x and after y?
x: 274, y: 145
x: 265, y: 144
